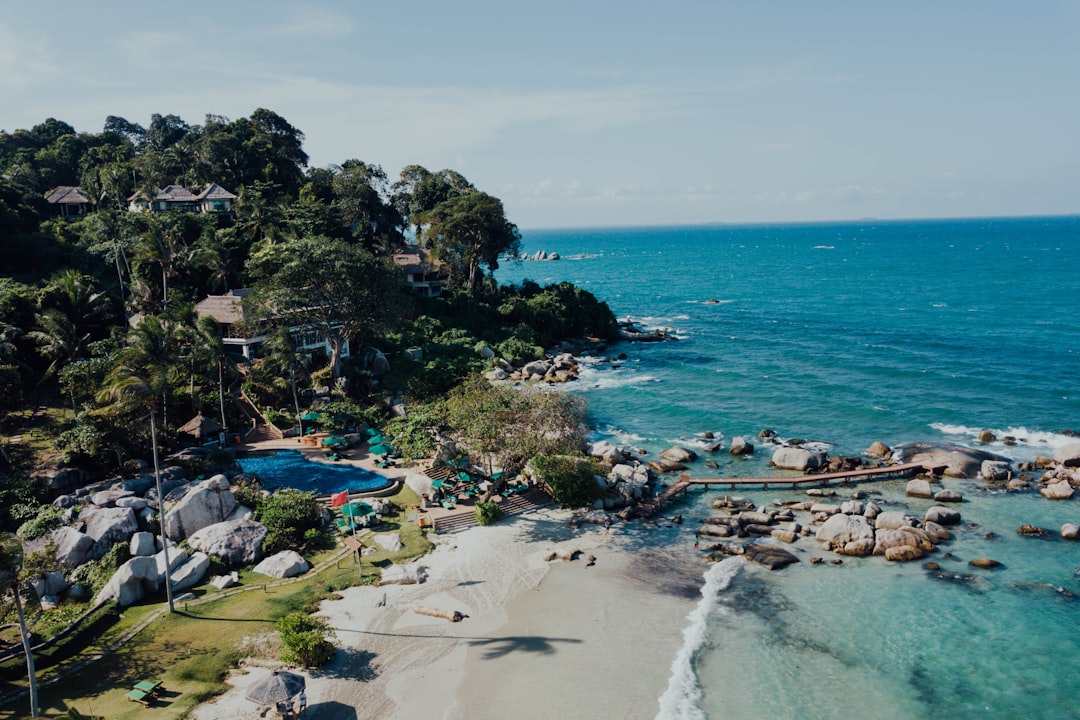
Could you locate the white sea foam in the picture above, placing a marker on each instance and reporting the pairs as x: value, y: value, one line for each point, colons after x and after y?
x: 602, y: 377
x: 1033, y: 441
x: 682, y: 699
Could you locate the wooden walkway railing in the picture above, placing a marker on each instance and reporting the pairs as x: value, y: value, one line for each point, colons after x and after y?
x: 817, y: 480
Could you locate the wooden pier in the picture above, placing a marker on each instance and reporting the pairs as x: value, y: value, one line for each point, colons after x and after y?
x: 815, y: 480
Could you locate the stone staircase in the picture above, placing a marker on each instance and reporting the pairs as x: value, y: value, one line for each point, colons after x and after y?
x: 519, y: 504
x: 260, y: 429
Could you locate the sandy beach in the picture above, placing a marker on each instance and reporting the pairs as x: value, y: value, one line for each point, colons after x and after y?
x: 541, y: 639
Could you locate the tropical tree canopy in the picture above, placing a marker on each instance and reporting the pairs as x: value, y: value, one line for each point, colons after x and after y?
x: 469, y: 230
x: 337, y: 288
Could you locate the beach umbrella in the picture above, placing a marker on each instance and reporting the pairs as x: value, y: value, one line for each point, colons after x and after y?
x: 356, y: 509
x: 381, y: 449
x: 200, y: 426
x: 335, y: 441
x: 276, y: 687
x: 375, y: 439
x: 311, y: 416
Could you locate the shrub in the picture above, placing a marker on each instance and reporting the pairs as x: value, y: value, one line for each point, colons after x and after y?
x: 305, y: 640
x: 571, y: 480
x: 287, y: 514
x: 48, y: 518
x: 488, y: 513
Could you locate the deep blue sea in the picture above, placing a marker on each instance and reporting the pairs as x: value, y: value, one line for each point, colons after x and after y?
x: 847, y: 333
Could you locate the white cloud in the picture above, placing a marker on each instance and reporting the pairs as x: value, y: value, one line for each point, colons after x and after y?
x: 308, y: 21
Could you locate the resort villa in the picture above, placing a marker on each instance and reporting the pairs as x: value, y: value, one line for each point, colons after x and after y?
x: 68, y: 201
x: 231, y: 312
x: 425, y: 277
x: 212, y: 199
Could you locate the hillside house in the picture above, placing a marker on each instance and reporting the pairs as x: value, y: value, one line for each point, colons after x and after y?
x: 68, y: 201
x: 212, y: 199
x: 424, y: 276
x: 230, y: 311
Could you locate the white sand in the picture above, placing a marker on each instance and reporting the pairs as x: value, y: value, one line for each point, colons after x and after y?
x: 542, y: 640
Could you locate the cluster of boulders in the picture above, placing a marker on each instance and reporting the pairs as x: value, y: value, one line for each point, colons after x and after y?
x: 203, y: 514
x: 540, y: 255
x: 558, y: 369
x: 626, y: 481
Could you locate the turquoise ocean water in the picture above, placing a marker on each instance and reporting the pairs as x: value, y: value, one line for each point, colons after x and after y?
x: 847, y: 333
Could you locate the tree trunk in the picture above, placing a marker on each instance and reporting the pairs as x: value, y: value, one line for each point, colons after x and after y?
x: 31, y: 674
x: 161, y: 510
x: 296, y: 400
x: 221, y: 393
x: 335, y: 356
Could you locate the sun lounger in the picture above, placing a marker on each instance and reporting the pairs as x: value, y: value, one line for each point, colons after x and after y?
x: 153, y: 688
x: 141, y: 697
x: 447, y: 504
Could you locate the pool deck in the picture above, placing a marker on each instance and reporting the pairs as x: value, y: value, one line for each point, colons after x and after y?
x: 357, y: 456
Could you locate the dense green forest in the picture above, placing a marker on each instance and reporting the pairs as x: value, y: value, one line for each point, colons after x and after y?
x: 97, y: 296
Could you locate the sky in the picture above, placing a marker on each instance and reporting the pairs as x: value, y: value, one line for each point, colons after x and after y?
x: 600, y: 113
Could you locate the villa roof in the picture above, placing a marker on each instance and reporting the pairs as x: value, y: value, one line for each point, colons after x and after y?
x: 175, y: 193
x: 227, y: 309
x: 415, y: 260
x: 66, y: 195
x: 213, y: 191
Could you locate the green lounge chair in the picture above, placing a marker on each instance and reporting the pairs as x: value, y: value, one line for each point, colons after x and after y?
x: 141, y: 697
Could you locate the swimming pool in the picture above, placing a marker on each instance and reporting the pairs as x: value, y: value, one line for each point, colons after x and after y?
x: 289, y: 468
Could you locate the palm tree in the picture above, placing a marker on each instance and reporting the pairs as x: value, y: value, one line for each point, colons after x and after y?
x: 281, y: 355
x: 209, y: 347
x: 73, y: 313
x: 10, y: 565
x: 135, y: 384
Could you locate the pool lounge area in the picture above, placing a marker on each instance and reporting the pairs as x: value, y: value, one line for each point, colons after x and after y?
x: 291, y: 469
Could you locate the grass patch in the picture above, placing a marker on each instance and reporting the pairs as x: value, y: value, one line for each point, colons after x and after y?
x: 192, y: 650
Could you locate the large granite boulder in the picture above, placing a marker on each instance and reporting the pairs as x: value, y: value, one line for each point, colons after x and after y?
x: 412, y: 574
x: 177, y: 557
x: 72, y: 546
x: 995, y: 470
x: 919, y: 488
x: 1068, y: 455
x: 205, y: 503
x: 143, y: 544
x: 847, y: 534
x: 740, y: 446
x: 942, y: 516
x: 191, y: 572
x: 679, y: 454
x: 769, y: 556
x: 958, y: 461
x: 909, y: 536
x: 108, y: 498
x: 390, y: 541
x: 904, y: 553
x: 893, y: 520
x: 794, y: 458
x: 878, y: 450
x: 287, y: 563
x: 1060, y: 490
x: 133, y: 581
x: 108, y: 526
x: 237, y: 543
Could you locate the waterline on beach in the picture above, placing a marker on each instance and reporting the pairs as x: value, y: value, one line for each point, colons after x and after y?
x: 683, y: 696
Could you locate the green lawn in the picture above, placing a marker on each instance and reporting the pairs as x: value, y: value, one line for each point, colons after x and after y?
x: 191, y: 650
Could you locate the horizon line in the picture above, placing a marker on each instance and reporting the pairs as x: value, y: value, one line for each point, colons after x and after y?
x: 849, y: 221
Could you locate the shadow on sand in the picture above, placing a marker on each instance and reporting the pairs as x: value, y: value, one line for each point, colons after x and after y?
x: 331, y: 710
